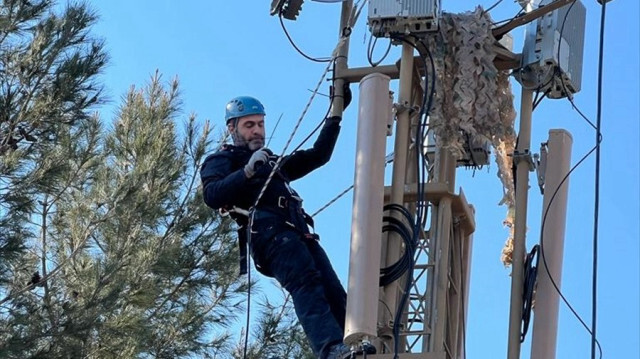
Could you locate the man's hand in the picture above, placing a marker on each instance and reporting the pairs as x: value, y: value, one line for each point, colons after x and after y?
x: 346, y: 90
x: 258, y: 158
x: 346, y: 94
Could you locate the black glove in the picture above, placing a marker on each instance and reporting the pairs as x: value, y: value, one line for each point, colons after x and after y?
x: 346, y: 91
x: 346, y: 94
x: 258, y: 158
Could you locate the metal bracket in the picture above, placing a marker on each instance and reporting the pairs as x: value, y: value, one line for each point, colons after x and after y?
x: 524, y: 156
x: 402, y: 107
x: 541, y: 165
x: 290, y: 9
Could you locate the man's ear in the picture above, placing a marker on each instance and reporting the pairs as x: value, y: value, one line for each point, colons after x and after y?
x: 230, y: 126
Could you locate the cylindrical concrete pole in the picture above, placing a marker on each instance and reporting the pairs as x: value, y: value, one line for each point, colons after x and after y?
x: 519, y: 240
x: 368, y: 200
x: 554, y: 214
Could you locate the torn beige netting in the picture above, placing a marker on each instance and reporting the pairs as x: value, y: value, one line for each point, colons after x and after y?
x: 474, y: 97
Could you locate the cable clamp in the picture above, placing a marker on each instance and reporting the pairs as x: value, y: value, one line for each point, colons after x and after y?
x: 524, y: 156
x: 402, y: 107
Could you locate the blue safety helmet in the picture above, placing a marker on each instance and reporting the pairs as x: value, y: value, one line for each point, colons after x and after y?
x: 243, y: 106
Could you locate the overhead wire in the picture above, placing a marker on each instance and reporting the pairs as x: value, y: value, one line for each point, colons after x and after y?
x: 332, y: 95
x: 518, y: 14
x: 592, y: 331
x: 492, y: 7
x: 596, y: 209
x: 274, y: 130
x: 332, y: 201
x: 310, y: 58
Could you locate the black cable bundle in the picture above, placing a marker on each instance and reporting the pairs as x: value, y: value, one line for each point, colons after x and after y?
x: 530, y: 277
x: 393, y: 272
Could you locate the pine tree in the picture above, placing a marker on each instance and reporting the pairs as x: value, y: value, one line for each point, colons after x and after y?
x: 143, y: 266
x: 48, y: 69
x: 276, y: 333
x: 138, y: 266
x: 106, y: 247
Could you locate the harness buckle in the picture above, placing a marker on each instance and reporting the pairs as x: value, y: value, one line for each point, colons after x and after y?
x: 282, y: 202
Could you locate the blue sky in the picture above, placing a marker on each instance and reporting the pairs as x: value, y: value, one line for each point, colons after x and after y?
x: 222, y: 49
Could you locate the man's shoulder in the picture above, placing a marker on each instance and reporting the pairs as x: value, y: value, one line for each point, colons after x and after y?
x: 225, y: 152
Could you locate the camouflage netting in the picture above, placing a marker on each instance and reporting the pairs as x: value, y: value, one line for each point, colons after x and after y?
x: 473, y: 97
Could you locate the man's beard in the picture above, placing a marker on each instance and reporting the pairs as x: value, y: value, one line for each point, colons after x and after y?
x: 252, y: 144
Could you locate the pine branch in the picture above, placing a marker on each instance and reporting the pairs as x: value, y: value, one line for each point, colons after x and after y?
x: 55, y: 271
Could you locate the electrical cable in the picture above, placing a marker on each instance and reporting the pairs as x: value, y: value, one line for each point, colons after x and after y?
x: 274, y: 130
x: 596, y: 209
x: 332, y: 201
x: 518, y: 14
x: 314, y: 59
x: 331, y: 97
x: 537, y: 101
x: 491, y: 7
x: 371, y: 48
x: 393, y: 272
x: 318, y: 126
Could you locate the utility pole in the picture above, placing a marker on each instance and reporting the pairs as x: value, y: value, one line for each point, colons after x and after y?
x: 430, y: 314
x: 393, y: 248
x: 522, y: 159
x: 342, y: 55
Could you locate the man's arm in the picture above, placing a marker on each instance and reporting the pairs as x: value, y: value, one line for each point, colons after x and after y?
x: 300, y: 163
x: 219, y: 183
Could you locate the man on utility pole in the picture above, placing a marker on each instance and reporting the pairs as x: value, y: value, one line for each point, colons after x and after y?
x: 280, y: 242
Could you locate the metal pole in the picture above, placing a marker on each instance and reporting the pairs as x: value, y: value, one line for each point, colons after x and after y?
x: 401, y: 149
x: 443, y: 242
x: 455, y: 291
x: 466, y: 260
x: 368, y: 200
x: 519, y: 240
x: 337, y: 105
x: 545, y: 326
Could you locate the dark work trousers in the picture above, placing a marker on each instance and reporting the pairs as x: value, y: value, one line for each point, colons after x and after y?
x: 302, y: 267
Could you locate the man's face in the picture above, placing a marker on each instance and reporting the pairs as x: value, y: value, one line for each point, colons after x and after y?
x: 248, y: 131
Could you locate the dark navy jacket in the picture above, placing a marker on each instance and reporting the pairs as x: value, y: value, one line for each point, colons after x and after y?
x: 225, y: 185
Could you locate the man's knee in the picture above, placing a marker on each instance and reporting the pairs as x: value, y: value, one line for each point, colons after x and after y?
x: 305, y: 277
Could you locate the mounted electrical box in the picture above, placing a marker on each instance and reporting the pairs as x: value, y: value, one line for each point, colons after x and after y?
x: 387, y: 17
x: 553, y: 51
x: 477, y: 153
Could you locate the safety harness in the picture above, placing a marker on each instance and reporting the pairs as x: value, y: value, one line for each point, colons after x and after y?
x: 286, y: 214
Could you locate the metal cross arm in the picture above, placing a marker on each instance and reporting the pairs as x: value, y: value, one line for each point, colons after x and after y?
x: 526, y: 18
